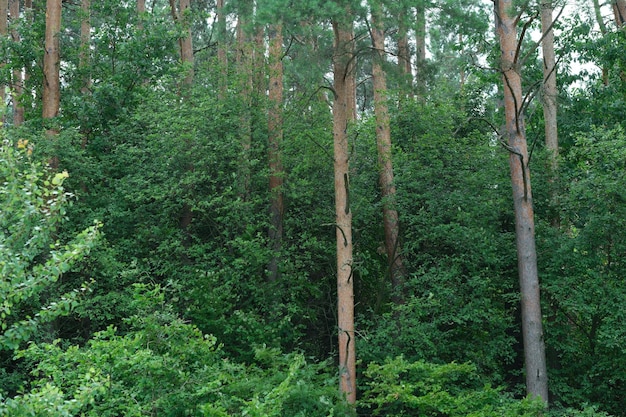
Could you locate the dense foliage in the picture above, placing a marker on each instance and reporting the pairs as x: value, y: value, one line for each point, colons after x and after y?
x: 134, y: 245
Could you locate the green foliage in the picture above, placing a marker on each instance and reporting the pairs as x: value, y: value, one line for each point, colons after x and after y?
x: 402, y: 388
x: 168, y: 367
x: 31, y: 260
x: 584, y: 284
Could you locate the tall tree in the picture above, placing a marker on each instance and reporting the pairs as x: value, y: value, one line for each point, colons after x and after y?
x: 85, y: 37
x: 420, y: 41
x: 383, y: 142
x: 619, y: 10
x: 404, y: 51
x: 275, y: 138
x: 51, y: 61
x: 222, y: 52
x: 342, y: 114
x: 549, y: 83
x: 141, y: 6
x: 17, y: 86
x: 4, y: 7
x: 182, y: 16
x: 532, y: 328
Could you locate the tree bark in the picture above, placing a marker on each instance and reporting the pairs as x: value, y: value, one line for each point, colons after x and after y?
x: 182, y: 17
x: 222, y: 57
x: 619, y: 10
x: 342, y: 113
x: 275, y: 139
x: 51, y: 60
x: 17, y: 83
x: 404, y: 52
x: 385, y: 165
x: 4, y: 28
x: 550, y: 93
x: 141, y: 6
x: 532, y: 329
x: 420, y: 44
x: 85, y: 47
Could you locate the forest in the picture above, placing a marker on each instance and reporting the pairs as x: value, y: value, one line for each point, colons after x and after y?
x: 313, y: 208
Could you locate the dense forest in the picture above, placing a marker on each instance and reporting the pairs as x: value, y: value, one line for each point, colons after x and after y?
x: 312, y: 208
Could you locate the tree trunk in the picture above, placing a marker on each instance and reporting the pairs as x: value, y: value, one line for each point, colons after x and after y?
x: 420, y: 45
x: 141, y: 6
x: 17, y: 83
x: 532, y: 329
x: 85, y: 47
x: 342, y: 113
x: 619, y: 10
x: 245, y: 81
x: 404, y: 52
x: 550, y: 93
x: 222, y: 57
x: 51, y: 61
x: 4, y: 30
x: 182, y: 17
x: 275, y: 138
x: 385, y: 165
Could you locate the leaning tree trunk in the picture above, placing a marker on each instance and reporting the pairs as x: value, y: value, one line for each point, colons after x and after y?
x: 532, y: 328
x: 385, y: 164
x: 342, y: 113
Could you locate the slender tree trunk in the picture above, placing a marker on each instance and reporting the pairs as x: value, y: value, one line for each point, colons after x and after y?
x: 385, y: 165
x: 619, y: 10
x: 222, y: 57
x: 17, y: 84
x: 342, y: 58
x: 550, y: 93
x: 182, y: 16
x: 85, y: 45
x: 245, y: 81
x: 404, y: 52
x: 275, y: 139
x: 603, y: 30
x: 532, y: 328
x: 420, y: 45
x: 51, y: 61
x: 4, y: 30
x: 141, y: 6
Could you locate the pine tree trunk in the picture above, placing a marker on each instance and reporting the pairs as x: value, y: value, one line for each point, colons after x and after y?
x: 550, y: 93
x: 51, y: 61
x: 532, y: 328
x: 342, y: 113
x: 275, y: 138
x: 182, y: 16
x: 385, y: 165
x: 420, y: 44
x: 222, y: 57
x: 17, y: 84
x: 4, y: 8
x: 141, y: 6
x: 619, y: 10
x: 85, y: 39
x: 404, y: 52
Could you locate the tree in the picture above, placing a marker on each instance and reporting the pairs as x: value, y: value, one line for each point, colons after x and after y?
x: 51, y: 61
x: 385, y: 164
x: 182, y: 17
x: 532, y: 329
x: 275, y: 138
x: 342, y: 114
x: 4, y: 7
x: 17, y: 81
x: 85, y: 44
x: 549, y: 82
x: 619, y: 10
